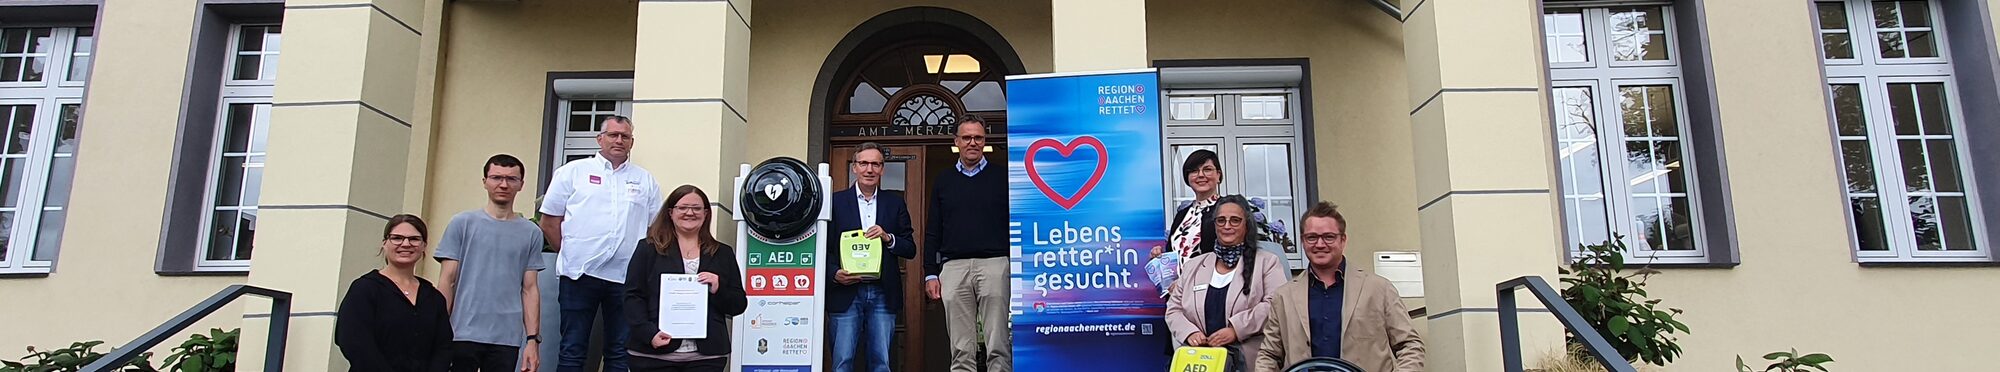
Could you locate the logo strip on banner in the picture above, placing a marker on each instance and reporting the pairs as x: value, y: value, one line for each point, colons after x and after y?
x: 1084, y: 210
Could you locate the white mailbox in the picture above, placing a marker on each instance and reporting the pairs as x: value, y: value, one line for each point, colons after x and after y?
x: 1405, y: 270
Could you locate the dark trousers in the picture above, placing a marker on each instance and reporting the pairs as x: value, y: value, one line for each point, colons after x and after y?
x: 582, y: 300
x: 645, y: 364
x: 468, y: 356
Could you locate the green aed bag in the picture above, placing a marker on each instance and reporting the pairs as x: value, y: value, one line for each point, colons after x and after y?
x: 860, y: 255
x: 1200, y: 359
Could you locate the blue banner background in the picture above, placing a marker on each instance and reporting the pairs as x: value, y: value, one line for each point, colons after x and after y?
x: 1113, y: 322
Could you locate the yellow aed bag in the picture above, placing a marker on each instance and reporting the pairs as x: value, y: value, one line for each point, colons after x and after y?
x: 860, y: 255
x: 1200, y: 359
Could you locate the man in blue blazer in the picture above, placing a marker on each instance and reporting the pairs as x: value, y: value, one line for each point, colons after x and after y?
x: 863, y: 308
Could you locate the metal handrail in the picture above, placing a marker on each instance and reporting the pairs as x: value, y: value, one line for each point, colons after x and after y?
x: 1510, y: 325
x: 281, y: 318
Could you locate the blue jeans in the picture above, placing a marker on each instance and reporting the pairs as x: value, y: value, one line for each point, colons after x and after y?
x: 581, y: 299
x: 869, y: 320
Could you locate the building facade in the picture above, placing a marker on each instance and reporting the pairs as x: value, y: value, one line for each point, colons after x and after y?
x: 1804, y: 174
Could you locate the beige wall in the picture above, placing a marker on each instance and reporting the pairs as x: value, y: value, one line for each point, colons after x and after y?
x: 1099, y: 35
x: 494, y: 76
x: 791, y: 38
x: 104, y: 287
x: 489, y: 85
x: 1361, y: 133
x: 1797, y: 285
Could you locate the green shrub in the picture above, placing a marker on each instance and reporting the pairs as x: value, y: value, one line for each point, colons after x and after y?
x: 1615, y: 303
x: 72, y: 358
x: 1788, y: 361
x: 215, y: 351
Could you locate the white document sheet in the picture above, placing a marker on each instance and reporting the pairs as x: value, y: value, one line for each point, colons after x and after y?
x: 683, y: 306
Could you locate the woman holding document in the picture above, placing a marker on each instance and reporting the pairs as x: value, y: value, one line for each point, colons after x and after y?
x: 683, y: 250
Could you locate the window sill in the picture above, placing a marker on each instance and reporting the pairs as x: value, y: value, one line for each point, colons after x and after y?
x: 24, y: 275
x: 1634, y: 263
x: 208, y: 272
x: 1927, y: 264
x: 1678, y: 265
x: 1684, y: 265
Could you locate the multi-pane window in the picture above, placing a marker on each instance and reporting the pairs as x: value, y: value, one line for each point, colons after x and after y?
x: 256, y: 54
x: 83, y: 43
x: 1896, y: 118
x: 1253, y: 133
x: 1620, y: 126
x: 42, y: 73
x: 584, y: 119
x: 242, y: 129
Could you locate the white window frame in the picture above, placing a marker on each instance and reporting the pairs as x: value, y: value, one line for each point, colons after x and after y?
x: 234, y: 92
x: 236, y: 37
x: 1603, y: 76
x: 1873, y: 74
x: 71, y: 53
x: 1854, y: 43
x: 1873, y: 44
x: 1550, y: 41
x: 48, y: 96
x: 581, y: 143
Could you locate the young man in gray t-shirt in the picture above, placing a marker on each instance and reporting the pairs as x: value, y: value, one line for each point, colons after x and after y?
x: 490, y: 257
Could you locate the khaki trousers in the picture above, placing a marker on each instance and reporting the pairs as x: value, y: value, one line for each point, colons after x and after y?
x: 975, y: 295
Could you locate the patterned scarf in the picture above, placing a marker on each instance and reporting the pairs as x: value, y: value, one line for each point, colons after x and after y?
x: 1229, y: 255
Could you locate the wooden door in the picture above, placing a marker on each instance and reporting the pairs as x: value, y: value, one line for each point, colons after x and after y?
x: 919, y: 342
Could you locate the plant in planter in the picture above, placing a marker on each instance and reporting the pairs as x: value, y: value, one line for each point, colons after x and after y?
x: 1575, y: 359
x: 1788, y: 361
x: 1615, y: 303
x: 71, y: 358
x: 215, y: 351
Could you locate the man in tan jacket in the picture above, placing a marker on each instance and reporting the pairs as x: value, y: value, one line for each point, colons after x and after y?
x: 1335, y: 311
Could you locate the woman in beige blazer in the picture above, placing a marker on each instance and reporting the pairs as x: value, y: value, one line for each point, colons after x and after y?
x: 1218, y: 301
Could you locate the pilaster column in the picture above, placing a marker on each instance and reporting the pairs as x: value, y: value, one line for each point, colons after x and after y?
x: 339, y: 144
x: 1483, y: 151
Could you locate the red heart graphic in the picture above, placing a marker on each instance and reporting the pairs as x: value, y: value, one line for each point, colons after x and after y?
x: 1065, y: 149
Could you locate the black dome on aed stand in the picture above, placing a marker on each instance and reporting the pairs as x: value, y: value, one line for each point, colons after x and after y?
x: 780, y: 200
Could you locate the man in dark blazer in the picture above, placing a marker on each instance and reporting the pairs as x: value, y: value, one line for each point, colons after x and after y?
x: 862, y: 308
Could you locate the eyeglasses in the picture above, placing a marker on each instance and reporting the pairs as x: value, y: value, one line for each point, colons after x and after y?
x: 505, y: 179
x: 404, y: 239
x: 867, y: 164
x: 972, y: 138
x: 690, y: 209
x: 1229, y: 221
x: 1323, y: 238
x: 1208, y: 170
x: 617, y: 135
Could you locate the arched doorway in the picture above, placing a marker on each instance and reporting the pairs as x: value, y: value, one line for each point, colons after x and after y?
x: 906, y: 79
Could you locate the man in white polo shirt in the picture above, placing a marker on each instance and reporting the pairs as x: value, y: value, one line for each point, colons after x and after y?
x: 594, y: 213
